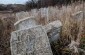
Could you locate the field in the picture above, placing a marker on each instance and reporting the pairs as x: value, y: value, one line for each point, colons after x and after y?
x: 73, y: 29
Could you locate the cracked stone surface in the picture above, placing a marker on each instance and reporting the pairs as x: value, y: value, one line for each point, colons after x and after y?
x: 31, y: 41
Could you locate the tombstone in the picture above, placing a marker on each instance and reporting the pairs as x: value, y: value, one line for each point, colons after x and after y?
x: 29, y: 40
x: 27, y: 22
x: 78, y: 15
x: 53, y: 30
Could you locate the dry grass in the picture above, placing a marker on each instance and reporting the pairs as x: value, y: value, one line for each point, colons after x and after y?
x: 71, y: 24
x: 72, y: 29
x: 6, y: 27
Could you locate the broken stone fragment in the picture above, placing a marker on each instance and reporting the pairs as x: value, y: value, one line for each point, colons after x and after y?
x: 53, y: 30
x: 25, y: 23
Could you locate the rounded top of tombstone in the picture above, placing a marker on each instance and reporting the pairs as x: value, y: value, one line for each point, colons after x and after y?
x: 27, y: 18
x: 77, y: 13
x: 54, y: 24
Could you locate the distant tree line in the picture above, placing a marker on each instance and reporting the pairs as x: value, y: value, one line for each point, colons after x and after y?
x: 12, y: 7
x: 2, y: 8
x: 46, y: 3
x: 35, y: 4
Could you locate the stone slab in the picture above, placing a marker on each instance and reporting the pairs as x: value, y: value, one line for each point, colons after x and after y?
x: 31, y: 41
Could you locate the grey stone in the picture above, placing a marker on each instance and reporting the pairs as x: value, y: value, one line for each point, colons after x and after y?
x: 30, y: 41
x: 53, y: 30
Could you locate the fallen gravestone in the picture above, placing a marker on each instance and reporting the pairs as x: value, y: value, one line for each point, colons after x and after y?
x: 28, y: 40
x: 53, y: 30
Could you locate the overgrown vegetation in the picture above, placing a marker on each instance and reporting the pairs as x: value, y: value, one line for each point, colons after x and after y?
x: 6, y: 27
x: 70, y: 29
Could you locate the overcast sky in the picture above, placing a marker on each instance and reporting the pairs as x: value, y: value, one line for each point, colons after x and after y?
x: 13, y: 1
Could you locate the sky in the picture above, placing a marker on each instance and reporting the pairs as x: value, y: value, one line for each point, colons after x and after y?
x: 13, y: 1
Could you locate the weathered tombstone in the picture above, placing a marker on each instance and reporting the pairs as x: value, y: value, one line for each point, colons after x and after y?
x: 78, y: 15
x: 27, y: 22
x: 29, y: 41
x: 53, y: 30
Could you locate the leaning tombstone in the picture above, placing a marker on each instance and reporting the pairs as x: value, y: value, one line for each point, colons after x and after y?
x: 29, y: 40
x: 53, y: 30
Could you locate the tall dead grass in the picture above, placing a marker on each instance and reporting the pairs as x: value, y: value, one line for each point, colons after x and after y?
x: 73, y: 28
x: 6, y: 27
x: 64, y: 13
